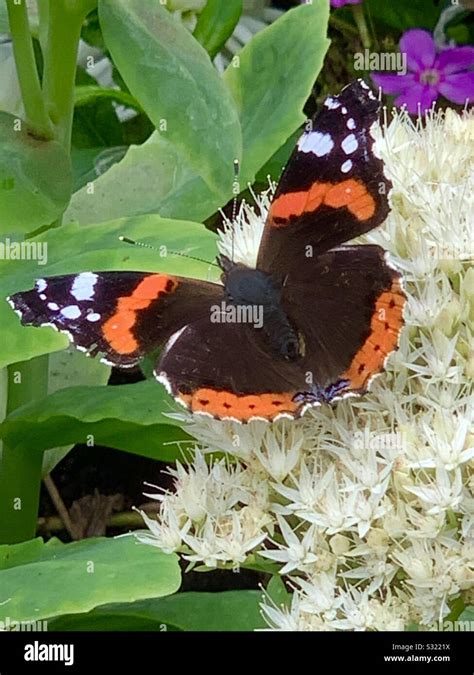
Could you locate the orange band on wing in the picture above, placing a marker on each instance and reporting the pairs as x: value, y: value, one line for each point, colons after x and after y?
x: 117, y: 330
x: 226, y: 404
x: 350, y: 194
x: 385, y: 327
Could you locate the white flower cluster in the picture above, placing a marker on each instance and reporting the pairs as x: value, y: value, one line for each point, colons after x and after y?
x: 366, y: 507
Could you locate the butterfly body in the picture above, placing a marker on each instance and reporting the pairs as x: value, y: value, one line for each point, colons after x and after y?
x: 247, y: 287
x: 327, y: 314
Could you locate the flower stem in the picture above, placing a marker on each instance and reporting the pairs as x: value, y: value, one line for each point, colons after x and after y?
x: 36, y: 115
x: 20, y: 468
x: 359, y: 18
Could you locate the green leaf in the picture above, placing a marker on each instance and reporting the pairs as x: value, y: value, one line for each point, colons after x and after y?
x: 96, y: 124
x: 85, y: 94
x: 156, y: 177
x: 72, y: 368
x: 35, y: 178
x: 405, y: 14
x: 73, y: 249
x: 128, y: 417
x: 216, y: 24
x: 90, y: 163
x: 468, y: 614
x: 277, y: 591
x: 20, y: 554
x: 152, y: 178
x: 170, y: 74
x: 273, y: 78
x: 4, y: 24
x: 75, y: 578
x: 217, y: 612
x: 66, y: 368
x: 275, y: 165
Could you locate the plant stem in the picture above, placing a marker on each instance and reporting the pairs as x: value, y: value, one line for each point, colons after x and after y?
x: 60, y: 506
x: 342, y: 25
x: 36, y: 115
x: 359, y: 18
x: 43, y: 18
x: 64, y: 31
x: 20, y: 469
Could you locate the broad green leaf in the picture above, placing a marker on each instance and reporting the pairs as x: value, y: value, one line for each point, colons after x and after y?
x: 75, y: 578
x: 85, y: 94
x: 35, y: 178
x: 70, y: 368
x: 67, y: 368
x: 73, y: 248
x: 20, y: 554
x: 90, y: 163
x: 152, y: 178
x: 217, y: 612
x: 172, y: 77
x: 216, y: 24
x: 156, y: 178
x: 272, y: 78
x: 275, y: 165
x: 130, y: 417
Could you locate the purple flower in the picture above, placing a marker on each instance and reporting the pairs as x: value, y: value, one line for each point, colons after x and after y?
x: 341, y: 3
x: 430, y: 73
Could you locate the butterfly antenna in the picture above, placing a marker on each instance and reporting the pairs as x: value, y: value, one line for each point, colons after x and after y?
x: 127, y: 240
x: 236, y: 190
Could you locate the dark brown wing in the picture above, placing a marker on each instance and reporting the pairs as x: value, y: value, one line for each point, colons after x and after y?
x: 333, y: 188
x: 348, y: 306
x: 121, y: 315
x: 227, y: 371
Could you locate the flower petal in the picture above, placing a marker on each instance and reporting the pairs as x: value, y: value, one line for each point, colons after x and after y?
x: 419, y: 97
x: 394, y: 84
x: 458, y: 87
x: 419, y: 47
x: 454, y: 59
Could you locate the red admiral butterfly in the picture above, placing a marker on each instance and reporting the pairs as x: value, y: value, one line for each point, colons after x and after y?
x: 331, y: 313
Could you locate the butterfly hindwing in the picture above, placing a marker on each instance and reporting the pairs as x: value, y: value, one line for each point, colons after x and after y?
x: 227, y: 371
x: 348, y: 306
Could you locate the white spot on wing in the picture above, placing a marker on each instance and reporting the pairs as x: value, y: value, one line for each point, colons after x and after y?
x: 351, y: 123
x: 83, y: 286
x: 344, y: 110
x: 71, y: 312
x: 41, y: 285
x: 349, y: 144
x: 53, y: 306
x: 331, y: 103
x: 93, y: 317
x: 347, y: 166
x: 316, y: 142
